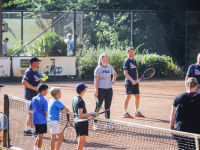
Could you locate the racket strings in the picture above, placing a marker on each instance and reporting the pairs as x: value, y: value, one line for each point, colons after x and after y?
x: 148, y: 73
x: 3, y: 121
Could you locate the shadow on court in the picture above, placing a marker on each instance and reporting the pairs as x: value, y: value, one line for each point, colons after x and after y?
x: 154, y: 120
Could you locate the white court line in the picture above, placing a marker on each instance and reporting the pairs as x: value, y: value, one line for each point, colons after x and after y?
x: 16, y: 148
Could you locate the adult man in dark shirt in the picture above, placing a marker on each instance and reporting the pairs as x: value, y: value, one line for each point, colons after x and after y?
x: 194, y: 71
x: 31, y: 80
x: 131, y: 84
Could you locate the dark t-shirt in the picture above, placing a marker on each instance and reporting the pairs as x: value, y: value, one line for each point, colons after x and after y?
x: 33, y: 78
x: 194, y: 71
x: 188, y: 112
x: 131, y: 66
x: 78, y: 103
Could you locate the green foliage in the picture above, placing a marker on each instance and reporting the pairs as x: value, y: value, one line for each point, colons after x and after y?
x: 50, y: 44
x: 23, y: 52
x: 87, y: 61
x: 108, y: 29
x: 163, y: 65
x: 193, y: 49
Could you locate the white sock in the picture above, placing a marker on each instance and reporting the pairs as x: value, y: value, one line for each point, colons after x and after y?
x: 125, y: 111
x: 33, y: 129
x: 27, y: 128
x: 136, y: 111
x: 39, y: 148
x: 35, y: 148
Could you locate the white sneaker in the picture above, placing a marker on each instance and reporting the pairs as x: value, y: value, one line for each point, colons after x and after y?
x: 95, y: 127
x: 109, y: 126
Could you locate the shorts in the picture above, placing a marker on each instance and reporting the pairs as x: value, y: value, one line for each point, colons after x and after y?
x: 54, y: 127
x: 27, y: 107
x: 40, y: 128
x: 81, y: 128
x: 132, y: 89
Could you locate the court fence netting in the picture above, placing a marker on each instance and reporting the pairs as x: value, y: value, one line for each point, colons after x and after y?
x: 124, y: 136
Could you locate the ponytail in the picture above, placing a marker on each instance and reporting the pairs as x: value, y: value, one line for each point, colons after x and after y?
x: 192, y: 82
x: 101, y: 57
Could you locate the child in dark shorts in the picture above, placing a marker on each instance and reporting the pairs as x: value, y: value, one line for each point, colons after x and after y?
x: 39, y: 107
x: 80, y: 111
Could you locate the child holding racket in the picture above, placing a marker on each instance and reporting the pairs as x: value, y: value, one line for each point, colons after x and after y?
x: 39, y: 108
x: 80, y: 112
x: 54, y: 107
x: 131, y: 84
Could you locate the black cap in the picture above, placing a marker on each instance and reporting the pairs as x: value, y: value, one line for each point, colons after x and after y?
x: 34, y: 59
x: 81, y: 86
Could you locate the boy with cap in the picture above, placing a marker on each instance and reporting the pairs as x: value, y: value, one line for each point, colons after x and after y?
x: 54, y: 107
x: 80, y: 111
x: 39, y: 107
x: 31, y: 80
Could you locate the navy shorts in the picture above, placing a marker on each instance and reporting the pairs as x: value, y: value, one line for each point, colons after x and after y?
x: 81, y: 128
x: 132, y: 89
x: 41, y: 128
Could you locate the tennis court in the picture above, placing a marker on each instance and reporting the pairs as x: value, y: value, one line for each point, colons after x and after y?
x: 155, y: 104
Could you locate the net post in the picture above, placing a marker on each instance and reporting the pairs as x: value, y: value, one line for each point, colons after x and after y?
x: 196, y: 141
x: 6, y: 112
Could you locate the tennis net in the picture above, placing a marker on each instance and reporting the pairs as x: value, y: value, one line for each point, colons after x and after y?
x: 124, y: 136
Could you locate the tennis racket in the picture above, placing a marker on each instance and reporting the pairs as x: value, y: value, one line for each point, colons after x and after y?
x: 69, y: 132
x: 91, y: 117
x: 198, y: 89
x: 147, y: 74
x: 3, y: 121
x: 99, y: 106
x: 3, y: 124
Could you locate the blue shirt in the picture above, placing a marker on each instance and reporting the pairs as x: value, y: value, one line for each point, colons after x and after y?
x: 194, y: 71
x: 39, y: 106
x: 131, y: 66
x: 4, y: 46
x: 33, y: 78
x: 54, y: 107
x: 71, y: 44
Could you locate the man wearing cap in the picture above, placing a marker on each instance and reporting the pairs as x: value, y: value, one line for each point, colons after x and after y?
x: 31, y: 80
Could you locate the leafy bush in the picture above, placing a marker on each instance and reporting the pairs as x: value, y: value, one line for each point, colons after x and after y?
x: 24, y: 52
x: 50, y: 45
x: 87, y: 61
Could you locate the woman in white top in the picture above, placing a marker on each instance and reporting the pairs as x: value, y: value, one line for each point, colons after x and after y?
x: 103, y: 86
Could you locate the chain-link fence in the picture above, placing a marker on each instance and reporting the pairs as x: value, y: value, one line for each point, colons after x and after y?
x: 174, y: 34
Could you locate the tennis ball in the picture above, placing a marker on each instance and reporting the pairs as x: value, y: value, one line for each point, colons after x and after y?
x: 46, y: 77
x: 43, y: 79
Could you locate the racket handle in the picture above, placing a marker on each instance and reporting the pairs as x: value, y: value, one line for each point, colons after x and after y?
x: 97, y: 100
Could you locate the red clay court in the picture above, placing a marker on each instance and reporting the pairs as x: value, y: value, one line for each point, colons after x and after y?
x: 155, y: 103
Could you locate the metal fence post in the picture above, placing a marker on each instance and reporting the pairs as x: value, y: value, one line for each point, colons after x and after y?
x: 6, y: 131
x: 186, y: 43
x: 22, y: 16
x: 1, y: 18
x: 74, y: 32
x: 132, y: 30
